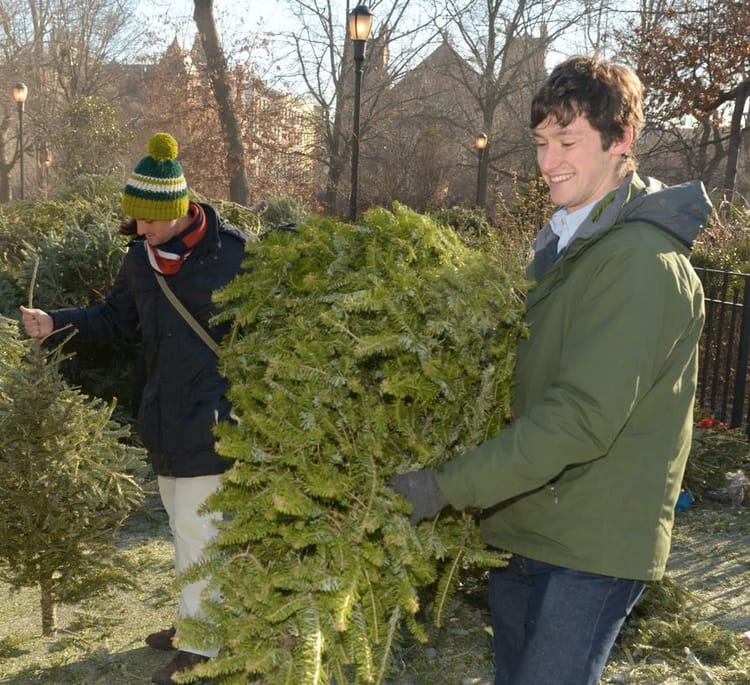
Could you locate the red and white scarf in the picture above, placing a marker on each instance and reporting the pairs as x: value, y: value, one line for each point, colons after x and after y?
x: 168, y: 257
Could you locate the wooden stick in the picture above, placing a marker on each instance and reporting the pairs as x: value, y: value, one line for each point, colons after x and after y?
x: 33, y: 283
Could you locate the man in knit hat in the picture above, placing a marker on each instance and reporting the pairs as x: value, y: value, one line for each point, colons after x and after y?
x: 194, y: 252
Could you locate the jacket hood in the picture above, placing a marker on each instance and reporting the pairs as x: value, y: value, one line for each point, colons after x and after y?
x: 681, y: 211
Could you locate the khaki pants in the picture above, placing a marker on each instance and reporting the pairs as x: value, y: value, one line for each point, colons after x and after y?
x: 182, y: 497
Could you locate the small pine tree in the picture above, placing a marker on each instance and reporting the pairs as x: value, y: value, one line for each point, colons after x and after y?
x: 357, y: 352
x: 64, y: 480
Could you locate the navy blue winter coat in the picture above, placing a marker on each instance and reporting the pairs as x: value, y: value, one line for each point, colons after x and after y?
x: 183, y: 396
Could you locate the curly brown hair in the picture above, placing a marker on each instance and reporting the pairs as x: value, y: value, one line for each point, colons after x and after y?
x: 609, y: 95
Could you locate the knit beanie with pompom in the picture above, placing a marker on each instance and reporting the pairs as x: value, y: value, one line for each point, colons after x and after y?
x: 157, y: 190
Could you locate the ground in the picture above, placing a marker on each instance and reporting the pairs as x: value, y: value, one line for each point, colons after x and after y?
x: 100, y: 642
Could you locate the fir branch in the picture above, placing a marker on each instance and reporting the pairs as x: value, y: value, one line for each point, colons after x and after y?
x: 313, y: 642
x: 373, y: 621
x: 386, y: 650
x: 447, y: 586
x: 359, y: 646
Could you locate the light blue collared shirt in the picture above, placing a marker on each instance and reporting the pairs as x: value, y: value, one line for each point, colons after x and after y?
x: 564, y: 224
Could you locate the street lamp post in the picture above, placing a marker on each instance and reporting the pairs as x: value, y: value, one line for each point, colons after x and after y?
x: 360, y: 25
x: 20, y: 92
x: 480, y: 143
x: 46, y: 163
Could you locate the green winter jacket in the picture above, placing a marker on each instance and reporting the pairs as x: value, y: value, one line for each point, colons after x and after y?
x: 587, y: 475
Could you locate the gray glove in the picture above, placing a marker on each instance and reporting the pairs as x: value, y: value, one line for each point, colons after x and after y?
x: 421, y: 490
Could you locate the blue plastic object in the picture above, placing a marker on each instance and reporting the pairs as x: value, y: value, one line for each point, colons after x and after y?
x: 684, y: 501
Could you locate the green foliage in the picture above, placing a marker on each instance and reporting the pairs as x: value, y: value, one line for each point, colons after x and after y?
x: 284, y: 210
x: 93, y: 140
x: 470, y: 224
x: 22, y: 225
x: 238, y: 215
x: 734, y: 256
x: 10, y: 295
x: 10, y: 354
x: 77, y: 266
x: 79, y: 249
x: 520, y: 217
x: 357, y: 352
x: 64, y: 480
x: 95, y: 189
x: 725, y: 244
x: 84, y: 231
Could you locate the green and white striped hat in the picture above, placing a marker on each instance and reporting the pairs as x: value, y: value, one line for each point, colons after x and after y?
x: 157, y: 190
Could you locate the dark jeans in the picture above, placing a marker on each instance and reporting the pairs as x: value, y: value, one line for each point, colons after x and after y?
x: 554, y: 626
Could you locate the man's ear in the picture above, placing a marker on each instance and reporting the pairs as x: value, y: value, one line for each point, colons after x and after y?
x: 620, y: 146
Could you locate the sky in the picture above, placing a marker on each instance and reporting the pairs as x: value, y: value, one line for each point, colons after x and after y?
x: 241, y: 18
x: 255, y: 16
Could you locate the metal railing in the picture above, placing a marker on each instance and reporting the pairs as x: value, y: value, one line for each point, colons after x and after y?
x: 725, y: 346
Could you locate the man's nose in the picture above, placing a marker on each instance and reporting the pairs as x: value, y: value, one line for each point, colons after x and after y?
x: 548, y: 158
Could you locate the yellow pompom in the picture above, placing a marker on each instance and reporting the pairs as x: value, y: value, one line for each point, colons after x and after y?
x: 162, y: 147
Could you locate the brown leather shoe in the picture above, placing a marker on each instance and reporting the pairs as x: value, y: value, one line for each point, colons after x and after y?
x: 162, y: 639
x: 183, y: 661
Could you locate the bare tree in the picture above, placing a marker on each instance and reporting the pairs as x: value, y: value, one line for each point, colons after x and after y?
x: 62, y: 50
x: 694, y: 59
x: 506, y: 42
x: 85, y: 37
x: 218, y: 74
x: 321, y: 58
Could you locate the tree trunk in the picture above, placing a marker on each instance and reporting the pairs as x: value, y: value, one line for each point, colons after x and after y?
x: 333, y: 178
x: 218, y: 76
x: 5, y: 165
x: 735, y: 136
x: 4, y: 183
x: 49, y: 612
x: 336, y: 150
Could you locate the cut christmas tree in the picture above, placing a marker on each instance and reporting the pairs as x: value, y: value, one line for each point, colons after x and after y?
x: 357, y: 352
x: 66, y: 481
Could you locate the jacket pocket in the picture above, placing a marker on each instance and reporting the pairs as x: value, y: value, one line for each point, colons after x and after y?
x: 188, y: 428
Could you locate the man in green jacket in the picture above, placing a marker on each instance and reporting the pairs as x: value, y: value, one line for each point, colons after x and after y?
x: 581, y: 486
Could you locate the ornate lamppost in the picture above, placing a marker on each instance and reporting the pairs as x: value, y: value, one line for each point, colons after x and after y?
x: 20, y: 92
x: 360, y: 25
x: 480, y: 143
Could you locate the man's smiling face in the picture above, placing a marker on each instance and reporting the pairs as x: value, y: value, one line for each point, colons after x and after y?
x: 573, y: 163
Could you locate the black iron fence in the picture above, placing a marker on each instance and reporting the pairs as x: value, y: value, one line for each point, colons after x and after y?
x: 725, y: 347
